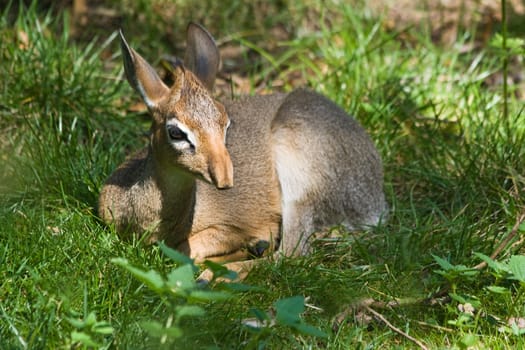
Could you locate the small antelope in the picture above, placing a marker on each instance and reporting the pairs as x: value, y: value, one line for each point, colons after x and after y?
x: 233, y: 180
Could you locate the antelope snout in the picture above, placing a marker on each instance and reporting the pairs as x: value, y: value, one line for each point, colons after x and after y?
x: 221, y: 170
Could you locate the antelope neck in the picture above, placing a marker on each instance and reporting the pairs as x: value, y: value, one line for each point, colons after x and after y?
x: 175, y: 185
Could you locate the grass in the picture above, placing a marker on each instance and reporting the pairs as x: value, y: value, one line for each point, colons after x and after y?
x: 454, y: 171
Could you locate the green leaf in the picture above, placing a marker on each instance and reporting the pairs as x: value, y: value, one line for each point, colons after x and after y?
x: 189, y: 311
x: 494, y: 265
x: 181, y: 278
x: 288, y: 313
x: 465, y: 271
x: 517, y: 267
x: 310, y: 330
x: 173, y: 332
x: 177, y: 256
x: 463, y: 299
x: 151, y: 278
x: 91, y: 319
x: 259, y: 314
x: 498, y: 290
x: 77, y: 323
x: 468, y: 340
x: 156, y: 329
x: 444, y: 264
x: 220, y: 270
x: 459, y: 298
x: 103, y: 328
x: 288, y: 310
x: 513, y: 45
x: 84, y: 339
x: 106, y: 330
x: 208, y: 295
x: 293, y: 304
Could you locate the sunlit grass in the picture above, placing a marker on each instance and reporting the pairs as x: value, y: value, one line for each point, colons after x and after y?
x: 454, y: 180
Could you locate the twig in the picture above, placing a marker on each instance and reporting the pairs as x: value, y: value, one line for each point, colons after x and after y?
x: 395, y: 329
x: 519, y: 219
x: 441, y: 328
x: 440, y: 297
x: 505, y: 242
x: 364, y: 304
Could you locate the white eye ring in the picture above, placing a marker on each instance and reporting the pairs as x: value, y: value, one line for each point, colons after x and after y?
x: 187, y: 138
x: 176, y: 134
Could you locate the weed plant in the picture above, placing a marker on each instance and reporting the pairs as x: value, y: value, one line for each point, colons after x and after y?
x: 453, y: 150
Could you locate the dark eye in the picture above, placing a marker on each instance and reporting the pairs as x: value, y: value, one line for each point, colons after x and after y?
x: 176, y: 133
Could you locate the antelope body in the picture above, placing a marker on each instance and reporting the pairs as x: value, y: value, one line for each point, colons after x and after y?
x: 240, y: 178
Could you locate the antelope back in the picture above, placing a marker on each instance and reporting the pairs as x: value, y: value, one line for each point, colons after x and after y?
x: 189, y: 127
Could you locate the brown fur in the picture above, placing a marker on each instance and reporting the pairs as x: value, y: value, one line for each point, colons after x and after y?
x: 289, y: 165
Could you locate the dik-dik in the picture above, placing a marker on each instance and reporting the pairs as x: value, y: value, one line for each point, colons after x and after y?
x: 239, y: 178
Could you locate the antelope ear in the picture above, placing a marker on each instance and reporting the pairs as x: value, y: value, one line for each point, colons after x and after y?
x: 202, y: 56
x: 141, y: 76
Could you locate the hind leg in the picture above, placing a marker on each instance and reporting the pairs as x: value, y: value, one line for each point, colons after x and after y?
x: 298, y: 226
x: 242, y: 268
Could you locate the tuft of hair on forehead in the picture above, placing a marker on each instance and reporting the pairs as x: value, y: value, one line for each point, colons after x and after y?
x: 191, y: 103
